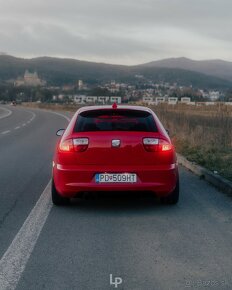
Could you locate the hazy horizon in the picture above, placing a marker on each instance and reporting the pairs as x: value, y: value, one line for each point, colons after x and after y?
x: 111, y: 63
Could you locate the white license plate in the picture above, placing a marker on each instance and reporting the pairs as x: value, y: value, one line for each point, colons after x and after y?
x: 116, y: 178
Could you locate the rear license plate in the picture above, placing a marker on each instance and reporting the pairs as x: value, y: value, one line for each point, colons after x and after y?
x: 116, y: 178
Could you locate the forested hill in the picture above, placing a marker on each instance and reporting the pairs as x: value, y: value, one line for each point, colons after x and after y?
x: 58, y: 71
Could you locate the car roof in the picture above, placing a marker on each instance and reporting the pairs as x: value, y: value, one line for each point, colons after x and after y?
x: 124, y: 107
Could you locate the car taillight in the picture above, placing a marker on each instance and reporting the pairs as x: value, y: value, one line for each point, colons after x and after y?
x: 155, y: 144
x: 66, y: 146
x: 164, y: 145
x: 74, y: 145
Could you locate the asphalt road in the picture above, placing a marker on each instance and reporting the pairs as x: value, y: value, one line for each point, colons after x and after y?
x: 142, y: 243
x: 27, y: 140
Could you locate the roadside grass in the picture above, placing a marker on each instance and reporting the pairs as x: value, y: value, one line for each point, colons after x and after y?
x: 203, y: 135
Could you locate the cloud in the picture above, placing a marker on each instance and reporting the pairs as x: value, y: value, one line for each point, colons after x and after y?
x: 117, y: 31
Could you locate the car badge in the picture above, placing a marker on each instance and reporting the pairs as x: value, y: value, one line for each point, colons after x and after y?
x: 116, y: 143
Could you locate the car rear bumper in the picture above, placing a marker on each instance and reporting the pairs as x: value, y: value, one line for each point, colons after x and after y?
x: 73, y: 180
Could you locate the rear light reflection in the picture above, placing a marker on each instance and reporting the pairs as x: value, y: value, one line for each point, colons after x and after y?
x: 150, y: 141
x: 150, y: 144
x: 155, y: 145
x: 74, y: 145
x: 80, y: 144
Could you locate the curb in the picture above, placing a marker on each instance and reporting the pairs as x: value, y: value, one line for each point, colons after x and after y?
x: 218, y: 181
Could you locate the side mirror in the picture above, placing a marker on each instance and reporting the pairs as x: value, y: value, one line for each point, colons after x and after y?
x: 60, y: 132
x: 167, y: 132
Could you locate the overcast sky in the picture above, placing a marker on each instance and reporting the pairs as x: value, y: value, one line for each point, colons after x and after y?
x: 117, y: 31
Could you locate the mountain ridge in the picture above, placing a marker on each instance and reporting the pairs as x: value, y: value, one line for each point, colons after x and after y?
x: 67, y: 70
x: 214, y: 67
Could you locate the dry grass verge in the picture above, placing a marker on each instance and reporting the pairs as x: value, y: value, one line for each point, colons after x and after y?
x: 202, y: 135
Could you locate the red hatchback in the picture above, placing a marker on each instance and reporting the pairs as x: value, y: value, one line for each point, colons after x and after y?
x: 114, y: 148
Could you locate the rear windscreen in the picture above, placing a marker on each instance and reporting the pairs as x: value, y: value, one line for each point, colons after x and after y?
x: 115, y: 120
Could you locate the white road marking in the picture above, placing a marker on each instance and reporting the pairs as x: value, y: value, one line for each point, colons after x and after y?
x: 8, y: 113
x: 14, y: 261
x: 5, y: 132
x: 59, y: 114
x: 28, y: 122
x: 33, y: 116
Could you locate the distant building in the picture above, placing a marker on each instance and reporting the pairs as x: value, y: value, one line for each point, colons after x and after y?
x: 160, y: 100
x: 79, y: 99
x: 185, y: 100
x: 209, y: 103
x: 29, y: 79
x: 60, y: 97
x: 83, y: 99
x: 118, y: 100
x: 80, y: 85
x: 91, y: 99
x: 214, y: 95
x: 148, y: 100
x: 103, y: 100
x: 204, y: 94
x: 172, y: 101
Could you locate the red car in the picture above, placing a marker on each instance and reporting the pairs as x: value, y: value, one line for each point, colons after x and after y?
x: 114, y: 148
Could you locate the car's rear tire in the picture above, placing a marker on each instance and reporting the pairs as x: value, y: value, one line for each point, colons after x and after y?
x: 172, y: 198
x: 57, y: 199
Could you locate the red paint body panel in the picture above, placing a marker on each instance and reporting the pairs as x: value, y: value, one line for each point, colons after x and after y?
x: 70, y: 181
x: 74, y: 172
